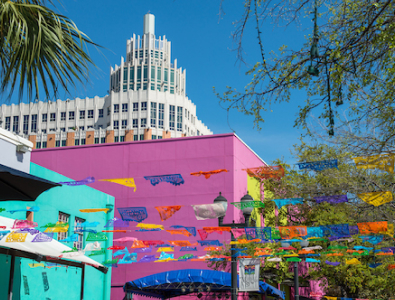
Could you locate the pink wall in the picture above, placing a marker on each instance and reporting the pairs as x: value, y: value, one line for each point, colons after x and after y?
x: 159, y: 157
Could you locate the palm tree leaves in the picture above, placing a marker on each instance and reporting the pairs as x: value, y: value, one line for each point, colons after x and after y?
x: 40, y: 48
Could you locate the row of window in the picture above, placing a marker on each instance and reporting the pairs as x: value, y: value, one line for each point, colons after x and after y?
x: 125, y: 107
x: 77, y: 142
x: 65, y: 218
x: 44, y: 119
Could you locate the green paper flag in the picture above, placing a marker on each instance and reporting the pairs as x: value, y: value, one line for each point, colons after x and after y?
x: 100, y: 236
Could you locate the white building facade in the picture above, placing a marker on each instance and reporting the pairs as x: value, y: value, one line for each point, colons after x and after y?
x: 147, y: 101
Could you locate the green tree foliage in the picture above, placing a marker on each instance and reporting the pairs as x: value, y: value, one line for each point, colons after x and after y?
x: 354, y: 281
x: 39, y: 48
x: 353, y: 52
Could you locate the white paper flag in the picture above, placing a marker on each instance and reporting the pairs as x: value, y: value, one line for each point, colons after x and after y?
x: 209, y: 211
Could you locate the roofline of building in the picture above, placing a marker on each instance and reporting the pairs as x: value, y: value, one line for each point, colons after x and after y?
x: 15, y: 139
x: 155, y: 141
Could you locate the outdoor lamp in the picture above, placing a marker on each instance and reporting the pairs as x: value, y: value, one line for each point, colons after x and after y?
x: 247, y: 210
x: 183, y: 289
x: 221, y: 200
x: 191, y: 288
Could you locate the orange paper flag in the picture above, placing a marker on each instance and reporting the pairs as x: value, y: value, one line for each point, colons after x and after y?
x: 372, y: 227
x: 166, y: 212
x: 180, y: 243
x: 179, y: 231
x: 207, y: 174
x: 216, y: 229
x: 266, y: 172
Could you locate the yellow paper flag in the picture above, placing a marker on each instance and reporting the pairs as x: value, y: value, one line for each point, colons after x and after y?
x: 353, y: 261
x: 129, y: 182
x: 14, y: 237
x: 150, y: 226
x: 330, y: 298
x: 376, y: 198
x: 383, y: 162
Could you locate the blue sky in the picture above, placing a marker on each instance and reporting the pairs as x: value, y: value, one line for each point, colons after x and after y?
x: 202, y: 43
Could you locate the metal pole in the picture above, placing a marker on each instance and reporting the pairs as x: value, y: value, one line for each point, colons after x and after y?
x: 233, y: 271
x: 296, y: 279
x: 82, y: 281
x: 11, y: 281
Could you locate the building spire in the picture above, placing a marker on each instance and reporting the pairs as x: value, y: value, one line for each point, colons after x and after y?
x: 149, y: 23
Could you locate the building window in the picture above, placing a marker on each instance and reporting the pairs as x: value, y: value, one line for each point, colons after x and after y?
x: 90, y: 114
x: 101, y: 113
x: 64, y: 218
x: 44, y: 144
x: 57, y: 144
x: 141, y: 137
x: 116, y: 108
x: 116, y: 139
x: 172, y: 116
x: 124, y: 107
x: 179, y: 118
x: 135, y: 106
x: 63, y: 143
x: 15, y: 124
x: 63, y: 116
x: 135, y: 137
x: 79, y: 244
x: 154, y: 137
x: 71, y: 115
x: 108, y: 111
x: 97, y: 140
x: 25, y: 124
x: 135, y: 123
x: 44, y: 118
x: 102, y: 140
x: 82, y: 128
x: 52, y: 117
x: 124, y: 124
x: 159, y: 137
x: 153, y: 114
x: 161, y: 115
x: 43, y: 130
x: 76, y: 142
x: 8, y: 123
x: 82, y: 114
x: 122, y: 138
x: 143, y: 122
x: 38, y: 145
x: 83, y: 141
x: 116, y: 124
x: 34, y: 123
x: 198, y: 132
x: 143, y: 106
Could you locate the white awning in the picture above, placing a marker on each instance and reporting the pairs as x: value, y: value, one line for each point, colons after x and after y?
x: 47, y: 250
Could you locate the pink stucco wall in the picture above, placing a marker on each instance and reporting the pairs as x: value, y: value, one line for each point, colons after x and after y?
x: 159, y: 157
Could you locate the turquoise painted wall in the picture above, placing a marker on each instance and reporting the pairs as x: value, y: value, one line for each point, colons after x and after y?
x: 69, y: 200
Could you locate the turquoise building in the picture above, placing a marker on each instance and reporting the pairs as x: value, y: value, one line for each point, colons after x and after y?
x: 33, y: 280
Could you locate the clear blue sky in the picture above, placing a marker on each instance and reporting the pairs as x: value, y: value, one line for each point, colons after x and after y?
x: 202, y: 43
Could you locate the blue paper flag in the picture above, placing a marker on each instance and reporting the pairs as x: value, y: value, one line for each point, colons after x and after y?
x: 174, y: 179
x: 136, y: 214
x: 318, y: 165
x: 282, y: 202
x: 210, y: 243
x: 187, y: 248
x: 312, y: 260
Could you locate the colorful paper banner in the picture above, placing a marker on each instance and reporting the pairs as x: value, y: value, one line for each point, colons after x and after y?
x: 246, y: 204
x: 87, y: 180
x: 376, y: 198
x: 207, y: 174
x: 129, y: 182
x: 318, y: 165
x: 334, y: 199
x: 174, y: 179
x: 282, y: 202
x: 165, y: 212
x: 135, y: 214
x: 383, y: 162
x: 209, y: 211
